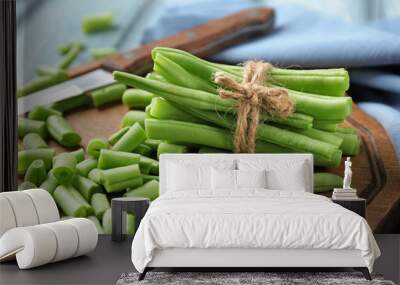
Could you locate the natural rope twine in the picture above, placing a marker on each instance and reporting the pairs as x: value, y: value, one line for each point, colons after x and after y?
x: 253, y: 98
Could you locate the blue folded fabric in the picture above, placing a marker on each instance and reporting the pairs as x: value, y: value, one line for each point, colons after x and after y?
x: 388, y: 117
x: 301, y: 37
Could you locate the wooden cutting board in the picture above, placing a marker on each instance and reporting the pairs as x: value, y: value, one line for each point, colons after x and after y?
x: 376, y: 170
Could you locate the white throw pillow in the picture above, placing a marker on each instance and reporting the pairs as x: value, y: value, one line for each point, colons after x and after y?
x: 223, y: 179
x: 183, y: 177
x: 251, y: 178
x: 281, y: 174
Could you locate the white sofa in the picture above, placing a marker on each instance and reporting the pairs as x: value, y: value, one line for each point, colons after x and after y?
x: 31, y: 231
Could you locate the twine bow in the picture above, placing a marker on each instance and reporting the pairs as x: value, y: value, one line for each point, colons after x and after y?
x: 253, y: 97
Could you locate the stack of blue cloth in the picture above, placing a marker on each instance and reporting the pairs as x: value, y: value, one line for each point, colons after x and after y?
x: 312, y: 40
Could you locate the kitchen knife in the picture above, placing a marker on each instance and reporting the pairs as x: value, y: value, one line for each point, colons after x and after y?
x: 203, y: 40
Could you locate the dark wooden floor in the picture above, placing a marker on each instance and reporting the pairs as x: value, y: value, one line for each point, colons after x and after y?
x: 110, y: 260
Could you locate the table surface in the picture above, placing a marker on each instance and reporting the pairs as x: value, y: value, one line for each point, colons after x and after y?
x: 110, y: 259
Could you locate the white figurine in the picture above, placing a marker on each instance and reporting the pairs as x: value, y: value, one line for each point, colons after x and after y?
x: 347, y: 174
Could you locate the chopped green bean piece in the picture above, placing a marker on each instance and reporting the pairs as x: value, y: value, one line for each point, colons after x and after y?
x: 143, y: 150
x: 100, y: 204
x: 108, y: 94
x: 95, y: 146
x: 98, y: 53
x: 206, y: 149
x: 45, y: 70
x: 112, y: 159
x: 120, y: 173
x: 63, y: 49
x: 64, y: 167
x: 131, y: 139
x: 85, y: 186
x: 26, y: 126
x: 41, y: 113
x: 148, y: 165
x: 62, y: 132
x: 68, y: 203
x: 50, y: 184
x: 112, y: 140
x: 94, y: 175
x: 351, y: 143
x: 147, y: 178
x: 84, y: 167
x: 123, y: 185
x: 26, y: 157
x: 147, y: 190
x: 152, y: 143
x: 40, y: 83
x: 70, y: 56
x: 137, y: 98
x: 132, y: 117
x: 107, y: 222
x: 79, y: 154
x: 36, y: 172
x: 32, y: 141
x: 170, y: 148
x: 75, y: 193
x: 97, y: 23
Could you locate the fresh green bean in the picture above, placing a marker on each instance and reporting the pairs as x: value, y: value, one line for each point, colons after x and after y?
x: 170, y: 148
x: 136, y: 98
x: 96, y: 145
x: 326, y: 182
x: 143, y: 150
x: 40, y: 83
x: 79, y: 155
x: 98, y: 53
x: 147, y: 178
x: 26, y: 185
x: 68, y: 203
x: 324, y: 136
x: 26, y: 126
x: 318, y: 106
x: 36, y: 172
x: 94, y: 175
x: 85, y: 186
x: 176, y: 74
x: 155, y: 76
x: 152, y: 143
x: 72, y: 103
x: 41, y: 113
x: 351, y: 143
x: 26, y: 157
x: 321, y: 125
x: 132, y: 117
x: 112, y: 140
x: 123, y: 185
x: 97, y: 224
x: 109, y: 94
x: 70, y: 56
x: 148, y: 165
x: 107, y: 222
x: 75, y: 193
x: 131, y: 139
x: 100, y: 204
x: 112, y: 159
x: 118, y: 174
x: 97, y: 23
x: 32, y: 141
x: 50, y: 184
x: 147, y: 190
x: 162, y: 109
x: 62, y: 132
x: 331, y: 82
x: 45, y: 70
x: 64, y: 167
x: 63, y: 49
x: 84, y: 167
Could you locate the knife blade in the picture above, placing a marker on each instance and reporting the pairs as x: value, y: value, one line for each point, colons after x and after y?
x: 203, y: 40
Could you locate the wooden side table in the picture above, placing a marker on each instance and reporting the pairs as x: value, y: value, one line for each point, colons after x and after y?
x: 120, y: 207
x: 357, y: 205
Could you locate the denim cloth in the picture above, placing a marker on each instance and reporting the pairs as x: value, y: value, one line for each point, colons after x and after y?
x: 308, y: 39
